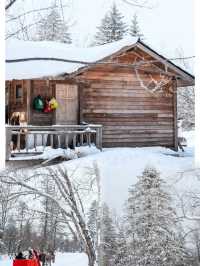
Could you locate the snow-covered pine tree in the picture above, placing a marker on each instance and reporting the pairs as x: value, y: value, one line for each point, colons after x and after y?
x: 123, y: 254
x: 185, y: 105
x: 112, y: 27
x: 151, y: 221
x: 108, y: 237
x: 53, y: 28
x: 185, y: 95
x: 135, y: 28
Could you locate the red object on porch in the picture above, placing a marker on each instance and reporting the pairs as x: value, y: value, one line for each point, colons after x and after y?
x: 25, y: 263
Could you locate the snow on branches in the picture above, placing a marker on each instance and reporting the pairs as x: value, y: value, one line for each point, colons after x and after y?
x: 70, y: 198
x: 53, y: 28
x: 151, y: 223
x: 112, y: 27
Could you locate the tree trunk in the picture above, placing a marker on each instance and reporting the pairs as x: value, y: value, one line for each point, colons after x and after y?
x: 91, y: 258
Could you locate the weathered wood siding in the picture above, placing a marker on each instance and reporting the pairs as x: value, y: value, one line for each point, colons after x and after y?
x: 67, y: 97
x: 13, y: 104
x: 45, y: 88
x: 131, y: 115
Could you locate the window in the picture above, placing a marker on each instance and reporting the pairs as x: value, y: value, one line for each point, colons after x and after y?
x: 18, y: 93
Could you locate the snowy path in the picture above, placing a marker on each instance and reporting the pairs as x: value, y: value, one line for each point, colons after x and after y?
x: 65, y: 259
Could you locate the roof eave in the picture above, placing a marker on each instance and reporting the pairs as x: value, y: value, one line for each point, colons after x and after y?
x: 185, y: 83
x: 187, y: 77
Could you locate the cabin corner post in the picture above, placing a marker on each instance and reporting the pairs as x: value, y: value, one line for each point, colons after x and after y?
x: 8, y: 142
x: 28, y: 100
x: 99, y: 133
x: 174, y: 87
x: 81, y: 101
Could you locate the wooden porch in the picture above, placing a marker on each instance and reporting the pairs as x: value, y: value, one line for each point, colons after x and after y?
x: 26, y: 139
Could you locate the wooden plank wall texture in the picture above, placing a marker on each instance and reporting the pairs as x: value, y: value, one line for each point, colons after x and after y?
x: 67, y: 97
x: 131, y: 116
x: 45, y: 88
x: 16, y: 106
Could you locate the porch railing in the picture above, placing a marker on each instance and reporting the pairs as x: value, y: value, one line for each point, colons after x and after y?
x: 20, y: 139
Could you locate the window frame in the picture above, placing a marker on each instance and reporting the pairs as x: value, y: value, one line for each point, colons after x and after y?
x: 19, y: 85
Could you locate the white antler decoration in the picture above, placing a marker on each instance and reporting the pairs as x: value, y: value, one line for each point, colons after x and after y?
x: 153, y: 85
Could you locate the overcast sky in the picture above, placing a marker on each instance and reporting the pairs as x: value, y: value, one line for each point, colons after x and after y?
x: 167, y: 27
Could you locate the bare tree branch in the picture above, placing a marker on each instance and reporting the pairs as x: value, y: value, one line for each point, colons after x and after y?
x: 70, y: 203
x: 31, y: 11
x: 139, y: 3
x: 10, y: 4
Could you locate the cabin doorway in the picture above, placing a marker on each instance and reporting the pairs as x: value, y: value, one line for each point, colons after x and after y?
x: 67, y: 97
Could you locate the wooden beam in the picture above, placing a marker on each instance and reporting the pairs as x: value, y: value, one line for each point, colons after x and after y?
x: 175, y: 115
x: 28, y: 100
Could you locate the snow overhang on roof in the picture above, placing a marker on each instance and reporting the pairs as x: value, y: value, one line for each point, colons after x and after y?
x: 33, y: 59
x: 38, y: 67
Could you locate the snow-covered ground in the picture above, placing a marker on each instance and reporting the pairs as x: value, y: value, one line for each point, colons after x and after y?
x: 62, y: 259
x: 119, y: 168
x: 49, y: 153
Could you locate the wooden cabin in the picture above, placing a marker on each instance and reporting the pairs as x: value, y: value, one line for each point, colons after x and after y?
x: 21, y: 94
x: 127, y: 87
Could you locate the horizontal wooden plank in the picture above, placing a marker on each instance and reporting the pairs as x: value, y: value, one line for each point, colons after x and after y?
x: 147, y: 131
x: 126, y: 73
x: 134, y: 124
x: 104, y: 77
x: 126, y: 93
x: 127, y: 107
x: 107, y: 83
x: 148, y: 96
x: 139, y: 136
x: 117, y: 88
x: 133, y: 112
x: 124, y: 115
x: 128, y: 101
x: 132, y: 144
x: 141, y: 127
x: 134, y: 120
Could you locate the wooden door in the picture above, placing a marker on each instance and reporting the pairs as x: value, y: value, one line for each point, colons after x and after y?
x: 67, y: 97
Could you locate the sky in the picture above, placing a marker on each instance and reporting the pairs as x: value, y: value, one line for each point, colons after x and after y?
x: 167, y: 26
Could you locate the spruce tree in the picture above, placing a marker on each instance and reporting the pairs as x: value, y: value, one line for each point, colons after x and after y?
x: 108, y: 237
x: 123, y: 254
x: 134, y: 28
x: 152, y: 231
x: 186, y: 106
x: 112, y: 27
x: 53, y: 28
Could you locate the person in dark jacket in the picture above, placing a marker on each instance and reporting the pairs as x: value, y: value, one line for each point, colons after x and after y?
x: 20, y: 256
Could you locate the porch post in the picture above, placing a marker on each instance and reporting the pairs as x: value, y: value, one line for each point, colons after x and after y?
x: 8, y: 141
x: 99, y: 137
x: 175, y: 114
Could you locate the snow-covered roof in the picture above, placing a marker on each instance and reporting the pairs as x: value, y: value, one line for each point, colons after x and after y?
x: 16, y: 49
x: 41, y: 59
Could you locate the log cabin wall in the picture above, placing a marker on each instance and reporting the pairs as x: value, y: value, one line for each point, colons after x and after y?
x: 131, y: 115
x: 45, y: 88
x: 68, y: 100
x: 17, y: 103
